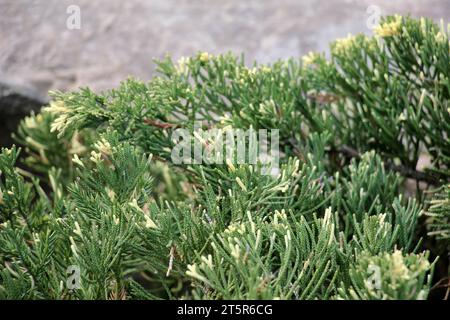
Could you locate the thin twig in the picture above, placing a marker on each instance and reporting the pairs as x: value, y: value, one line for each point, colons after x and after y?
x: 161, y: 125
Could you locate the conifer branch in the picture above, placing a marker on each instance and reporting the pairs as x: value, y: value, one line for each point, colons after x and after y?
x: 401, y: 169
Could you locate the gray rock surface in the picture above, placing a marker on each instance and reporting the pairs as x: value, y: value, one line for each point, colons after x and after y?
x: 120, y: 38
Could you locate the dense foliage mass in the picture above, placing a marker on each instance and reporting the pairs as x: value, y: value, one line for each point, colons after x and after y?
x: 340, y: 220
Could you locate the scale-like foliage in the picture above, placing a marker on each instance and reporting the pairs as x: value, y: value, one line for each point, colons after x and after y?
x: 103, y: 196
x: 439, y: 211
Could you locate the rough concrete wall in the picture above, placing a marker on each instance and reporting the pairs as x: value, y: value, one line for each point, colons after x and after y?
x: 119, y: 38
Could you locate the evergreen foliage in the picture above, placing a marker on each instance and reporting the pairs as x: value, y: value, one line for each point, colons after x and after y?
x: 100, y: 191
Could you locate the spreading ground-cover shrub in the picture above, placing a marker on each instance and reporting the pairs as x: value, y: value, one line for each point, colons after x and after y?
x: 99, y: 210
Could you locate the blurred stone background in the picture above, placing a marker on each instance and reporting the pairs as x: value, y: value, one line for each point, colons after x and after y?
x: 119, y: 38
